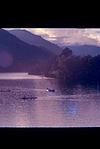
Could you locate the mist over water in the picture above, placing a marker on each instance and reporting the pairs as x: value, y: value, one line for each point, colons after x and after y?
x: 76, y: 106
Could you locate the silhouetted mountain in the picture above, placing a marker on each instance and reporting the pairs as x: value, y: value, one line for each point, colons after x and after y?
x: 36, y: 40
x: 16, y: 55
x: 85, y: 50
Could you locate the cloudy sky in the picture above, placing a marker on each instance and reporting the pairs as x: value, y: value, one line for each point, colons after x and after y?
x: 67, y: 36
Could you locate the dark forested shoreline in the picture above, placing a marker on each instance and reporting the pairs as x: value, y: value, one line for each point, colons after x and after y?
x: 72, y: 69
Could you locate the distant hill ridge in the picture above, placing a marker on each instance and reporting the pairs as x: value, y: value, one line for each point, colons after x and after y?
x: 84, y: 50
x: 36, y: 40
x: 16, y: 55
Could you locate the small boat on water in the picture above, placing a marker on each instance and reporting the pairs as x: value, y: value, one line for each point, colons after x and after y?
x: 26, y: 98
x: 50, y: 90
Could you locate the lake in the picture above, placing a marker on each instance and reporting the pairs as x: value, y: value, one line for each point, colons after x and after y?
x: 67, y: 107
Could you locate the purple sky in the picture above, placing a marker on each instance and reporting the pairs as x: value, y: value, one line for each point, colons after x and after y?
x: 67, y: 36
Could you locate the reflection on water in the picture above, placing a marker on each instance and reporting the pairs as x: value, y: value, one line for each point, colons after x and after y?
x: 70, y: 107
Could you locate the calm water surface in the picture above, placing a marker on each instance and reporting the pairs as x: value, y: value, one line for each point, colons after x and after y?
x: 69, y: 107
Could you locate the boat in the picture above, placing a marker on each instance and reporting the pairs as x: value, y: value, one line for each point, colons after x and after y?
x: 50, y: 90
x: 25, y: 98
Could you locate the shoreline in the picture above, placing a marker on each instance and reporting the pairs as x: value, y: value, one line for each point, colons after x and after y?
x: 21, y: 76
